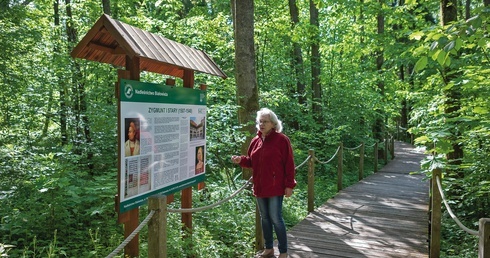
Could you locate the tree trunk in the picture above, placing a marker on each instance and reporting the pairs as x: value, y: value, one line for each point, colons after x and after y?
x: 71, y: 34
x: 245, y: 71
x: 467, y: 9
x: 83, y: 138
x: 449, y: 11
x: 246, y: 83
x: 297, y: 54
x: 315, y: 63
x: 361, y: 21
x: 297, y: 61
x: 47, y: 119
x: 106, y: 6
x: 449, y: 14
x: 62, y: 86
x: 379, y: 124
x: 187, y: 4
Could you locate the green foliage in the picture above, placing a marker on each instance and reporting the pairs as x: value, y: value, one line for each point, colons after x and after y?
x: 451, y: 233
x: 57, y: 198
x: 455, y: 58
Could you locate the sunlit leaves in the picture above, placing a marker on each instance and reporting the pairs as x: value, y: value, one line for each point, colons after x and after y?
x: 417, y: 35
x: 484, y: 43
x: 421, y: 63
x: 411, y: 2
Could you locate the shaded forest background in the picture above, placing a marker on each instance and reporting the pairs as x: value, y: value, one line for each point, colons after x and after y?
x: 334, y: 71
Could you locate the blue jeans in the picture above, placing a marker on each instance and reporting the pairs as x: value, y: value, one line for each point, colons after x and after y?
x: 271, y: 216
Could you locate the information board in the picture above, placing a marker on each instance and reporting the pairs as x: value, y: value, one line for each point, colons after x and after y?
x: 163, y: 140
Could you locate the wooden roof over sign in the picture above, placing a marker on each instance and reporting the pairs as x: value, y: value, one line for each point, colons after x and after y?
x: 109, y: 41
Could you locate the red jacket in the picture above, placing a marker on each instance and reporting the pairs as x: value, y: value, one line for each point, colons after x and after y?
x: 272, y: 163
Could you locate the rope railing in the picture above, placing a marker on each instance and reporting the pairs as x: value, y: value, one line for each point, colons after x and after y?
x: 436, y: 200
x: 355, y: 148
x: 333, y: 156
x: 369, y: 146
x: 463, y: 227
x: 203, y: 208
x: 304, y: 162
x: 148, y: 217
x: 226, y: 199
x: 131, y: 236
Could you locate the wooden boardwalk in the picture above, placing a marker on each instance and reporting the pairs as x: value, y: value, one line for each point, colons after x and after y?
x: 384, y: 215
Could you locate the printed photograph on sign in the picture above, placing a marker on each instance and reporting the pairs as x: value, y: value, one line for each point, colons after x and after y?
x: 199, y: 160
x: 132, y: 143
x: 197, y: 128
x: 136, y: 166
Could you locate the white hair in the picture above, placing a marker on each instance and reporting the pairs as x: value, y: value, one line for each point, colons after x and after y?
x: 272, y: 116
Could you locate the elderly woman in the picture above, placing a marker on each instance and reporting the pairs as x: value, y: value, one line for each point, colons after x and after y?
x: 270, y: 156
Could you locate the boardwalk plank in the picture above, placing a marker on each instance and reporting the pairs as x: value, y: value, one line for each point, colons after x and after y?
x: 384, y: 215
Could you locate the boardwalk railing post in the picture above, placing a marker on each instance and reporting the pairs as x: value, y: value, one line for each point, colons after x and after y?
x: 484, y: 235
x: 157, y: 227
x: 339, y: 166
x: 259, y: 239
x: 311, y: 181
x: 398, y: 130
x: 435, y: 220
x: 392, y: 147
x: 386, y: 150
x: 376, y: 157
x: 361, y: 162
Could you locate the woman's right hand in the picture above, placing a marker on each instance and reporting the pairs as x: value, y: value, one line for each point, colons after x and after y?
x: 236, y: 159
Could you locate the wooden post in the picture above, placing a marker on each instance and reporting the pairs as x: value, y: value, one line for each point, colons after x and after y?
x: 311, y: 181
x: 132, y: 249
x: 202, y: 185
x: 259, y: 238
x: 157, y: 227
x: 188, y: 79
x: 130, y: 218
x: 170, y: 82
x: 339, y: 166
x: 398, y: 130
x: 186, y: 194
x: 392, y: 148
x: 361, y: 162
x: 376, y: 157
x: 435, y: 220
x: 121, y: 217
x: 386, y: 150
x: 484, y: 236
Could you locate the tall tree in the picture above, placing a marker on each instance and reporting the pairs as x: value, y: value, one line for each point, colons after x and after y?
x: 56, y: 52
x: 106, y: 6
x: 82, y: 125
x: 63, y: 109
x: 449, y: 14
x: 467, y: 9
x: 246, y: 81
x: 245, y: 72
x: 379, y: 124
x: 297, y: 60
x: 315, y: 61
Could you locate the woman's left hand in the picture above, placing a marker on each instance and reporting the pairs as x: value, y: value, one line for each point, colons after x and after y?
x: 288, y: 192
